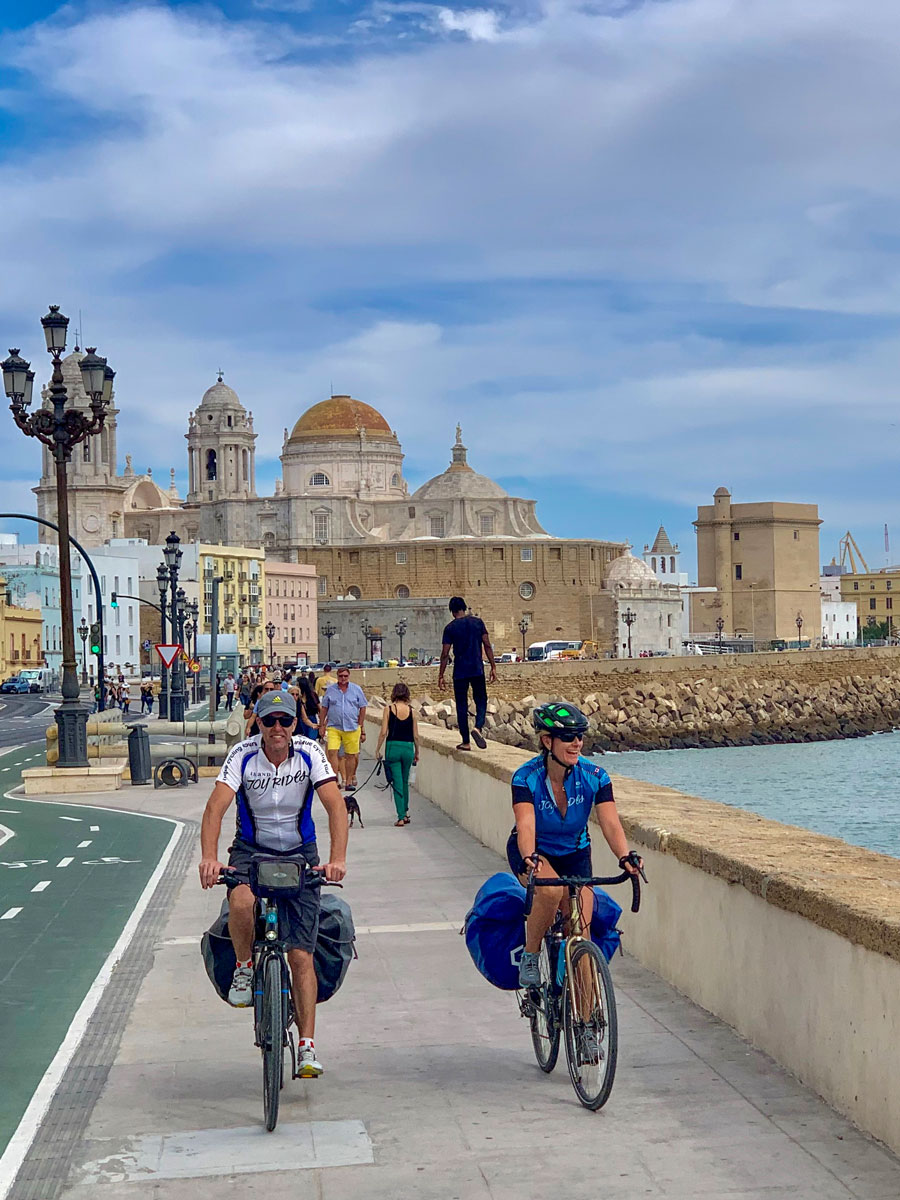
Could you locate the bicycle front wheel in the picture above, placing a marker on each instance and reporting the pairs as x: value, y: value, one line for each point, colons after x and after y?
x: 272, y: 1040
x: 589, y: 1022
x: 544, y: 1002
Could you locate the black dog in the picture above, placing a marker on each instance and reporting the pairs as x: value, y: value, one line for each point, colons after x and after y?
x: 353, y: 809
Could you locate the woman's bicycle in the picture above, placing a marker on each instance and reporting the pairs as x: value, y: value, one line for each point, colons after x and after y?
x: 271, y: 880
x: 575, y: 997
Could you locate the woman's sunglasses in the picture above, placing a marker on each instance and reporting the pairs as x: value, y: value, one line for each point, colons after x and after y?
x: 568, y: 736
x: 273, y: 719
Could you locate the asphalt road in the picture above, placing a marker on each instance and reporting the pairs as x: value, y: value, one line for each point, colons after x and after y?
x: 25, y: 717
x: 70, y: 877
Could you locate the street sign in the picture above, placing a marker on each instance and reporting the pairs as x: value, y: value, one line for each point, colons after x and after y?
x: 168, y: 653
x: 147, y: 644
x: 194, y: 665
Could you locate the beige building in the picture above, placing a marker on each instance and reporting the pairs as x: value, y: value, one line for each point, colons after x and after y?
x: 873, y: 594
x: 241, y: 596
x: 20, y: 636
x: 763, y: 560
x: 291, y: 607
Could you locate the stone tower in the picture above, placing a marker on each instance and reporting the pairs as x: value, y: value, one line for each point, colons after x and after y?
x: 221, y: 448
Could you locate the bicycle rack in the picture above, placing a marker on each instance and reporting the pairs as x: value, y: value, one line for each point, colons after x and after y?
x: 175, y: 772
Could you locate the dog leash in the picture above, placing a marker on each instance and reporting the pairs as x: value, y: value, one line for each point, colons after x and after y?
x: 376, y: 770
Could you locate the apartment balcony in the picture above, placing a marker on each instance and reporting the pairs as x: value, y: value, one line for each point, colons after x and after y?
x: 245, y: 620
x: 242, y: 576
x: 254, y: 620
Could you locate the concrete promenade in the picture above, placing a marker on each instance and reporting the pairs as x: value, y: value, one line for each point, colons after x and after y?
x: 430, y: 1089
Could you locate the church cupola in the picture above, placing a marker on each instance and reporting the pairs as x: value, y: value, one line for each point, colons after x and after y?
x: 221, y: 447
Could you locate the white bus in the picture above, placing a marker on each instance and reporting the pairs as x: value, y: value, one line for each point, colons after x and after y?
x: 541, y: 651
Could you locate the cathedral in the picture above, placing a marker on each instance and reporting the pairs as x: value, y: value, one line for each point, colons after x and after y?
x: 343, y: 505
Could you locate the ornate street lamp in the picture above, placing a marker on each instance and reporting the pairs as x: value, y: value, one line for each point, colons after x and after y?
x: 61, y: 429
x: 83, y: 630
x: 366, y: 630
x: 162, y: 583
x: 400, y: 630
x: 172, y: 555
x: 523, y: 629
x: 328, y: 631
x: 720, y: 625
x: 799, y: 623
x: 629, y: 618
x: 270, y: 634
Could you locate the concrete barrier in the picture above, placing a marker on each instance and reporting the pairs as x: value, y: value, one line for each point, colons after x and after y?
x: 791, y: 937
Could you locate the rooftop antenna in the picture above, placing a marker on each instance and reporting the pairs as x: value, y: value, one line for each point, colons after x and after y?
x: 80, y: 331
x: 887, y: 546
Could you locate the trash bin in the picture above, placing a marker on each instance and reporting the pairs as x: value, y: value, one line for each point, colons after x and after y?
x: 139, y: 755
x: 202, y: 692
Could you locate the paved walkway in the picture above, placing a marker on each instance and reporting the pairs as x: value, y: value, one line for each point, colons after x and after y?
x: 430, y: 1087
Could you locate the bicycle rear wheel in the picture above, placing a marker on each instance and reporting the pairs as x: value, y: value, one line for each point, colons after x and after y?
x: 592, y: 1039
x: 272, y: 1040
x: 544, y: 1016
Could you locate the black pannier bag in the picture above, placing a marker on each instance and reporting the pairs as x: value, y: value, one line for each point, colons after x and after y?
x: 335, y: 947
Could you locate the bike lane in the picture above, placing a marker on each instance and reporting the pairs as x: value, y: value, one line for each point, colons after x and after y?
x: 70, y: 877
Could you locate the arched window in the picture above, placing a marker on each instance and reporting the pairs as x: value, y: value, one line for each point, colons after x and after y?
x: 395, y: 480
x: 87, y: 449
x: 672, y: 565
x: 662, y: 565
x: 269, y: 541
x: 402, y: 592
x: 319, y: 479
x: 653, y: 564
x: 210, y: 464
x: 354, y: 593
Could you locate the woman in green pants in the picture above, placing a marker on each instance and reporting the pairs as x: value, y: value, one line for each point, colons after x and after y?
x: 400, y: 738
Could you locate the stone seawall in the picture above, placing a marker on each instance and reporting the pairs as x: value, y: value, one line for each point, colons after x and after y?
x: 700, y: 702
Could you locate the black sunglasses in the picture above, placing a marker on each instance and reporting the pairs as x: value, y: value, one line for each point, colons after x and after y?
x: 569, y: 736
x: 270, y: 720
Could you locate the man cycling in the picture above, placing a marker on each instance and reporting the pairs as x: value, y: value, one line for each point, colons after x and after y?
x: 273, y: 775
x: 552, y: 797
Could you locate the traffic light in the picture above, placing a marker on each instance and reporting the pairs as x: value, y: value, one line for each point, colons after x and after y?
x: 114, y: 600
x: 95, y: 638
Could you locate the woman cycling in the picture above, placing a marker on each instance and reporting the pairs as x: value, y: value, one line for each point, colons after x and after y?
x: 552, y: 797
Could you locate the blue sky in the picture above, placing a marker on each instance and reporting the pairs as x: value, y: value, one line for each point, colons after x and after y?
x: 638, y: 249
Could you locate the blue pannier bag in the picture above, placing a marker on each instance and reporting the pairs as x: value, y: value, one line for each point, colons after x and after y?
x: 495, y: 928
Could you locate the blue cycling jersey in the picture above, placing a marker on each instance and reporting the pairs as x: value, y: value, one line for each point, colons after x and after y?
x: 586, y: 785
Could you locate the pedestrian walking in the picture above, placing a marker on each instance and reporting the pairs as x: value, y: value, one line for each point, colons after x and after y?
x: 400, y: 738
x: 467, y: 637
x: 218, y: 691
x: 125, y: 695
x: 325, y: 680
x: 343, y: 712
x: 308, y: 708
x: 230, y: 689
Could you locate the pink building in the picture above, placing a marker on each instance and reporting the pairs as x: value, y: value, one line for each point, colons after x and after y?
x: 291, y: 607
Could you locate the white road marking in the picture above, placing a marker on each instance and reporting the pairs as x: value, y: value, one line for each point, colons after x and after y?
x: 6, y: 833
x: 16, y: 811
x: 17, y: 1147
x: 83, y: 845
x: 219, y: 1152
x: 42, y: 886
x: 10, y: 913
x: 95, y: 829
x: 5, y: 768
x: 64, y: 862
x: 78, y: 819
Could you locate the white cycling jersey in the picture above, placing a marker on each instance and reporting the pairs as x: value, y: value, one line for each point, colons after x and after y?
x: 274, y: 804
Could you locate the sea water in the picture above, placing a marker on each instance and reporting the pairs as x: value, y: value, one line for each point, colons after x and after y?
x: 848, y: 789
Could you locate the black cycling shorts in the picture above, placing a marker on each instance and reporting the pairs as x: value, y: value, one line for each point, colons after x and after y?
x: 576, y: 864
x: 299, y: 916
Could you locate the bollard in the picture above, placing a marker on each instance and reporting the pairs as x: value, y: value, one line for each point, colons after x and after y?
x: 139, y: 755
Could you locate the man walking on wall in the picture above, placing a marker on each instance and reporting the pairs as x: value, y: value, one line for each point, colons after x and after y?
x: 467, y: 636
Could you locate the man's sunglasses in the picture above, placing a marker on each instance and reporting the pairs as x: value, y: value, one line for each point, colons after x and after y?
x: 569, y: 736
x: 273, y: 719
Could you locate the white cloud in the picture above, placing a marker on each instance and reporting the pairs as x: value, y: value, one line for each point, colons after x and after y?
x: 478, y: 24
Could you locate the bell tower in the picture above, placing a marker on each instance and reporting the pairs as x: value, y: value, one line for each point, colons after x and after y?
x: 221, y: 447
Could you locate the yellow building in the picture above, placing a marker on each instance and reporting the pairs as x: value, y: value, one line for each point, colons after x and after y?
x: 241, y: 596
x: 873, y: 594
x: 763, y: 561
x: 20, y: 636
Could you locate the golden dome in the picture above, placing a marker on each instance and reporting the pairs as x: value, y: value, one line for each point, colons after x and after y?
x: 339, y: 417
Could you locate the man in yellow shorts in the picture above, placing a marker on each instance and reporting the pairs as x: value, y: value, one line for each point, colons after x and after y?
x: 342, y: 714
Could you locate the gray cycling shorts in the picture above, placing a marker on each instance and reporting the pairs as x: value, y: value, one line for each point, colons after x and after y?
x: 297, y: 917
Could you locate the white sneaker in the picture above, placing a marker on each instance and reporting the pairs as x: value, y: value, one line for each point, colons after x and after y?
x: 308, y: 1066
x: 240, y: 994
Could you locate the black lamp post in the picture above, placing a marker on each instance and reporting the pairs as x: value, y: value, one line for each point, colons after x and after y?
x: 366, y: 629
x: 162, y: 583
x: 629, y: 618
x: 523, y: 629
x: 400, y: 630
x: 799, y: 623
x: 270, y: 634
x: 83, y: 630
x: 328, y: 631
x: 61, y: 429
x: 195, y: 626
x: 720, y: 625
x: 172, y: 556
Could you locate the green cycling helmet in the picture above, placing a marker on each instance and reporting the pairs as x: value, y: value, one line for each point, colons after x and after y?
x: 559, y: 717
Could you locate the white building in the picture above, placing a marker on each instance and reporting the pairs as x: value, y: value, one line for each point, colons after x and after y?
x: 117, y: 567
x: 656, y: 608
x: 663, y: 560
x: 840, y: 618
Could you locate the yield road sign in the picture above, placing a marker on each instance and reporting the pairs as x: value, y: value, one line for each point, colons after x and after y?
x: 168, y: 653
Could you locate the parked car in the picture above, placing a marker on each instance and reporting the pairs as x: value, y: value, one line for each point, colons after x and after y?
x: 15, y: 684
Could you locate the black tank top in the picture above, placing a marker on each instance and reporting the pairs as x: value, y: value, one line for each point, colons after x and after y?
x: 400, y: 731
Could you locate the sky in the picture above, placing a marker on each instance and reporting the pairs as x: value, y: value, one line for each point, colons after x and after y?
x: 639, y: 249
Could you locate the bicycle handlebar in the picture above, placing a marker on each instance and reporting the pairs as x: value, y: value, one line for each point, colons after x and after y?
x: 312, y: 875
x: 575, y: 882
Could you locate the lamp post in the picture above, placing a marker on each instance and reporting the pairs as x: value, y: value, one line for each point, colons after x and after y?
x: 720, y: 625
x: 400, y: 630
x: 523, y: 629
x: 83, y: 630
x: 172, y: 556
x: 61, y: 429
x: 195, y: 625
x: 799, y: 623
x: 366, y: 630
x: 270, y: 634
x: 629, y: 618
x: 328, y: 631
x: 162, y: 583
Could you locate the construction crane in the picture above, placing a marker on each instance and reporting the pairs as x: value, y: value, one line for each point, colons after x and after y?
x: 848, y: 545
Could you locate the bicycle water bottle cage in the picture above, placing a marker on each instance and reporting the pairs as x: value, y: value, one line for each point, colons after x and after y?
x: 275, y: 878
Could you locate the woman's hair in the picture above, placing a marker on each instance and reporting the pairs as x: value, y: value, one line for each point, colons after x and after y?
x: 310, y: 699
x: 400, y: 692
x: 255, y: 694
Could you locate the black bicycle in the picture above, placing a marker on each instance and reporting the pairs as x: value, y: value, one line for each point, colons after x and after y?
x: 575, y: 996
x: 273, y: 880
